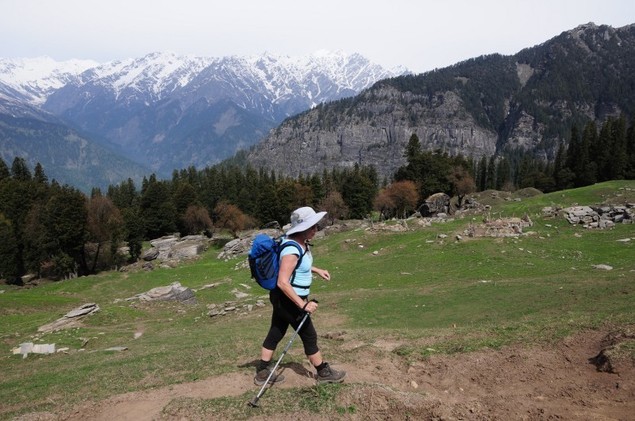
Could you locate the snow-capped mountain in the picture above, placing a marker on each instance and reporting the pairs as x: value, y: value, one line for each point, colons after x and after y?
x: 167, y: 111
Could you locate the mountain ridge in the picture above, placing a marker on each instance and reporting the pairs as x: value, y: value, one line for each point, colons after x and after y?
x: 166, y: 111
x: 481, y: 107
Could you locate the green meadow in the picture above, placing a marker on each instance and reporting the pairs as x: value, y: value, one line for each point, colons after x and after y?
x: 430, y: 292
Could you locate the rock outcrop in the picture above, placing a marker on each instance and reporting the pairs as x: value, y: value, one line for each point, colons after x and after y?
x: 70, y: 319
x: 172, y: 292
x: 173, y: 247
x: 605, y: 216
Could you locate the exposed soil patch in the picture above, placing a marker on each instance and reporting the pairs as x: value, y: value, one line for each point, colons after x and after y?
x: 559, y: 382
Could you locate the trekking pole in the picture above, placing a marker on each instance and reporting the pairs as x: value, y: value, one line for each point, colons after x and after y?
x: 254, y: 402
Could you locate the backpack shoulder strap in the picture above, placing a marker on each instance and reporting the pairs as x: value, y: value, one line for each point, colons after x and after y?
x: 297, y: 246
x: 300, y: 250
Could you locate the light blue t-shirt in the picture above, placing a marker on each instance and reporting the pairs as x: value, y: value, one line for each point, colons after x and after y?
x: 303, y: 276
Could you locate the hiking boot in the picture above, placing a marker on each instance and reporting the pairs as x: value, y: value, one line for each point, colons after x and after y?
x: 261, y: 377
x: 329, y: 375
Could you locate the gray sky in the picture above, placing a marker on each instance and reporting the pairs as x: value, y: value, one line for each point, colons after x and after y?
x: 419, y: 34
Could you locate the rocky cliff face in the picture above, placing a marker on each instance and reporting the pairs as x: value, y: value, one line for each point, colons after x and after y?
x: 486, y: 106
x: 375, y: 132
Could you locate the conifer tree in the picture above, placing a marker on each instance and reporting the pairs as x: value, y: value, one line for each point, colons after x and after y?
x: 532, y: 174
x: 64, y: 217
x: 184, y: 196
x: 503, y: 174
x: 574, y: 151
x: 602, y: 154
x: 125, y: 195
x: 591, y: 149
x: 491, y: 173
x: 619, y: 156
x: 317, y: 189
x: 134, y: 231
x: 482, y: 174
x: 562, y: 175
x: 285, y: 194
x: 358, y: 192
x: 39, y: 176
x: 16, y: 198
x: 268, y: 208
x: 413, y: 149
x: 9, y: 267
x: 156, y: 209
x: 630, y: 152
x: 19, y: 170
x: 4, y: 170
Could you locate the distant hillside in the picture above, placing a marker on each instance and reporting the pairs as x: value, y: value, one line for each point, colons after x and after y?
x: 65, y: 155
x: 484, y: 106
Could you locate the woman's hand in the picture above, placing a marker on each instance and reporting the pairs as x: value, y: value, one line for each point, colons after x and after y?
x: 311, y: 306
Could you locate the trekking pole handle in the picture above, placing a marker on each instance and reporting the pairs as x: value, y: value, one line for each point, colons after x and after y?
x: 307, y: 303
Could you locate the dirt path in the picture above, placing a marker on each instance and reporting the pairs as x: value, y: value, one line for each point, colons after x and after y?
x: 538, y: 383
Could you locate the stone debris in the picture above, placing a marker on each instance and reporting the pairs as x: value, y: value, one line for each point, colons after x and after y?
x: 231, y: 307
x: 70, y: 319
x: 116, y: 349
x: 501, y: 227
x: 214, y: 285
x: 239, y: 294
x: 603, y: 267
x: 30, y: 348
x: 602, y: 217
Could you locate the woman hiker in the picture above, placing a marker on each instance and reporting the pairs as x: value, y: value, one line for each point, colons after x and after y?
x: 290, y: 302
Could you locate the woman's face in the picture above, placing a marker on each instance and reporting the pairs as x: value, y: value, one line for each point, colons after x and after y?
x: 310, y: 233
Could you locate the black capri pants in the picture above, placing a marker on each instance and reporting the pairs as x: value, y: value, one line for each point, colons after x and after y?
x: 286, y: 313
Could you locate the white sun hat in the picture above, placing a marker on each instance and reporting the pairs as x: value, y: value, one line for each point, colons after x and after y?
x: 304, y: 218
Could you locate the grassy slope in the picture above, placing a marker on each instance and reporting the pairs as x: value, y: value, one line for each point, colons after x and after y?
x: 435, y: 295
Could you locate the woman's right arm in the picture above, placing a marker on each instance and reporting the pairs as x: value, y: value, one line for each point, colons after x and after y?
x: 287, y: 266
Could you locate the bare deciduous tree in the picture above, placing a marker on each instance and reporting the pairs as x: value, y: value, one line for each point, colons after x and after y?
x: 196, y: 219
x: 335, y: 206
x: 230, y: 217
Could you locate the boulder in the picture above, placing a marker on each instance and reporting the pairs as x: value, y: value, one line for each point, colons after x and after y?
x: 436, y: 204
x: 70, y: 319
x: 241, y: 246
x: 150, y: 254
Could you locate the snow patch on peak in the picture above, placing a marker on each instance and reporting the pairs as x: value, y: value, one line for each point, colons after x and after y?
x: 154, y: 74
x: 36, y: 78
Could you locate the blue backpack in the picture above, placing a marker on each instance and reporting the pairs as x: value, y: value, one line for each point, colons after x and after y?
x: 264, y: 259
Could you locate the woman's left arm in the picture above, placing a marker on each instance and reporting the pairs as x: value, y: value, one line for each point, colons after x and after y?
x: 323, y: 273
